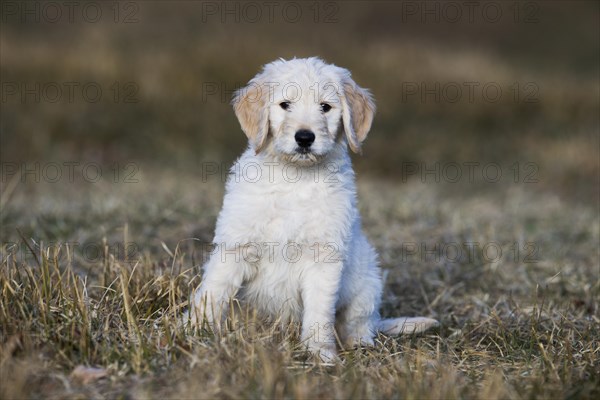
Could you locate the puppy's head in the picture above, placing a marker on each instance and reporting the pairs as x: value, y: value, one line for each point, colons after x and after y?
x: 299, y: 110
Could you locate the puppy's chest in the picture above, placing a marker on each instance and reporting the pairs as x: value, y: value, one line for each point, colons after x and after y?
x: 302, y: 212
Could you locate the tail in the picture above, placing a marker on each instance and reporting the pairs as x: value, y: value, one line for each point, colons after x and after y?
x: 405, y: 325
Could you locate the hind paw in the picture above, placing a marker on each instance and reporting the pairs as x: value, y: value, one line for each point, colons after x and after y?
x: 360, y: 341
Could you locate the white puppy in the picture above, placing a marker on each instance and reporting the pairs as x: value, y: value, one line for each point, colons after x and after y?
x: 288, y: 239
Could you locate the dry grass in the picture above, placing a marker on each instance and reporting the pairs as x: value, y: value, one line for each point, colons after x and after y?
x: 524, y: 325
x: 511, y: 328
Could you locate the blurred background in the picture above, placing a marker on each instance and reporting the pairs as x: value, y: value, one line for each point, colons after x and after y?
x: 116, y: 130
x: 149, y: 82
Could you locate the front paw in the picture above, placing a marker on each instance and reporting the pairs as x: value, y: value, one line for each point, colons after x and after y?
x: 193, y: 319
x: 325, y: 352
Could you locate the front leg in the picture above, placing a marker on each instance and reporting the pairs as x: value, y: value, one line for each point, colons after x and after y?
x: 224, y: 274
x: 320, y: 290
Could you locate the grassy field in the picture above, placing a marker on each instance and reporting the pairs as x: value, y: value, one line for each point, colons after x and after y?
x: 97, y: 263
x: 520, y: 324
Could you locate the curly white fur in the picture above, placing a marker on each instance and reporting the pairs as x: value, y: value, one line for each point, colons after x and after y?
x: 288, y: 239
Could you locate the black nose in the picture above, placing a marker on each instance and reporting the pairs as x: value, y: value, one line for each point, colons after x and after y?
x: 304, y: 138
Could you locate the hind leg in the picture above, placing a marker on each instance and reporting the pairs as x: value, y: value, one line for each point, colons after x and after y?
x: 357, y: 328
x: 360, y: 296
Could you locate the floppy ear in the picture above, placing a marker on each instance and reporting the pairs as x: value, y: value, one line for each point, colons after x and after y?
x: 250, y: 106
x: 358, y: 110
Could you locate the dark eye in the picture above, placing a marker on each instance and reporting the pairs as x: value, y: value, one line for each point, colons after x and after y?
x: 325, y: 107
x: 285, y: 105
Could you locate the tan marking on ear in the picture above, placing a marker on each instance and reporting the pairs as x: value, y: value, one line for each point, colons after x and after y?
x: 251, y: 108
x: 358, y: 110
